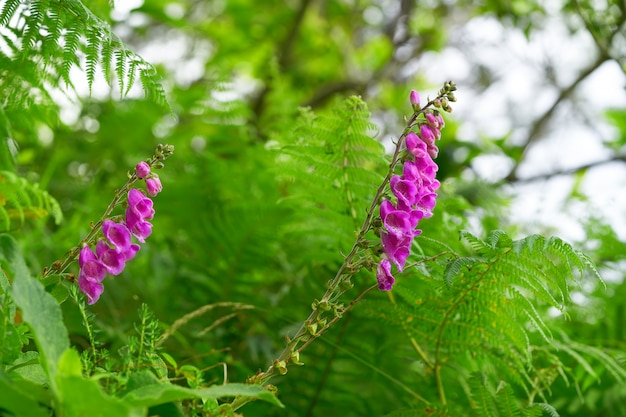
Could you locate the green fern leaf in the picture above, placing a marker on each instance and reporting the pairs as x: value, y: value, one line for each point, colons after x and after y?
x: 21, y: 201
x: 120, y: 68
x: 8, y: 11
x: 482, y: 402
x: 499, y: 238
x: 454, y: 268
x: 334, y: 159
x: 132, y: 71
x: 506, y: 403
x: 93, y: 54
x: 543, y: 407
x: 70, y: 47
x: 37, y: 11
x: 107, y: 58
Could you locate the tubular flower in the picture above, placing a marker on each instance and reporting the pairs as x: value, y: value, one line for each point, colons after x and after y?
x: 383, y: 275
x: 92, y: 272
x: 415, y: 192
x: 153, y: 186
x: 116, y: 248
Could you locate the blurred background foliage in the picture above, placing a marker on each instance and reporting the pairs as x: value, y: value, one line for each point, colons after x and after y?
x: 227, y: 230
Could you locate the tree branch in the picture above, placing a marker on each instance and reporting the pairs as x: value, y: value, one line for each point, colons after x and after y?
x: 570, y: 171
x: 539, y: 125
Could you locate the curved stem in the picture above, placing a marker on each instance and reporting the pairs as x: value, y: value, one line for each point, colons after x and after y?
x: 58, y: 267
x: 308, y: 329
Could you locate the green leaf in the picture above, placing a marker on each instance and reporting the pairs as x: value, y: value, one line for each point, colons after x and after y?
x: 161, y: 393
x: 28, y: 367
x: 83, y: 397
x: 40, y: 310
x: 10, y: 342
x: 16, y: 400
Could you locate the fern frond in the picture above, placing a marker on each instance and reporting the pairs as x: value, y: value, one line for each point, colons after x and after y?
x: 454, y: 268
x: 36, y: 14
x: 544, y: 407
x: 93, y: 54
x: 499, y: 238
x: 331, y: 163
x: 482, y: 401
x: 120, y: 68
x: 8, y: 11
x: 107, y: 58
x: 506, y: 403
x: 53, y: 36
x: 70, y: 46
x: 493, y: 304
x: 21, y: 201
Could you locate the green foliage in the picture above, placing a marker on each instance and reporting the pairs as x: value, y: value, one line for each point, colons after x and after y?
x: 47, y: 38
x: 330, y: 158
x: 493, y: 304
x: 21, y: 201
x: 131, y: 391
x: 273, y: 174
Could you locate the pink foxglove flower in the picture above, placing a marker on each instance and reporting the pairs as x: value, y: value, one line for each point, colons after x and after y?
x: 383, y: 275
x: 117, y: 247
x: 142, y: 170
x: 92, y: 272
x: 153, y: 186
x: 414, y: 98
x: 415, y: 191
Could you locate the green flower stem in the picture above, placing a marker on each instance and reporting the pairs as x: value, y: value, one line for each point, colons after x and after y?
x: 303, y: 336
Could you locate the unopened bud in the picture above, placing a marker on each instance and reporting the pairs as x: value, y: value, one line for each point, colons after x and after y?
x: 414, y: 97
x: 295, y: 358
x: 142, y: 170
x: 346, y: 284
x: 324, y: 305
x: 281, y: 367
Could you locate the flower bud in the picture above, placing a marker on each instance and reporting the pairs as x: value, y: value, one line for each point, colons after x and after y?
x: 142, y: 170
x: 295, y: 358
x: 153, y: 186
x: 281, y: 367
x: 414, y: 97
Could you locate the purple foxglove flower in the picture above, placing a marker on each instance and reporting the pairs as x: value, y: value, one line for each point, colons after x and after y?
x: 426, y: 204
x: 396, y: 221
x: 427, y: 135
x: 153, y: 186
x: 117, y: 234
x: 405, y: 191
x: 414, y: 97
x: 414, y: 144
x: 396, y: 248
x: 92, y: 272
x: 90, y: 265
x: 131, y: 251
x: 435, y: 122
x: 139, y: 227
x: 414, y: 215
x: 142, y: 170
x: 141, y: 204
x: 93, y: 289
x: 433, y: 151
x: 383, y: 275
x: 112, y: 260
